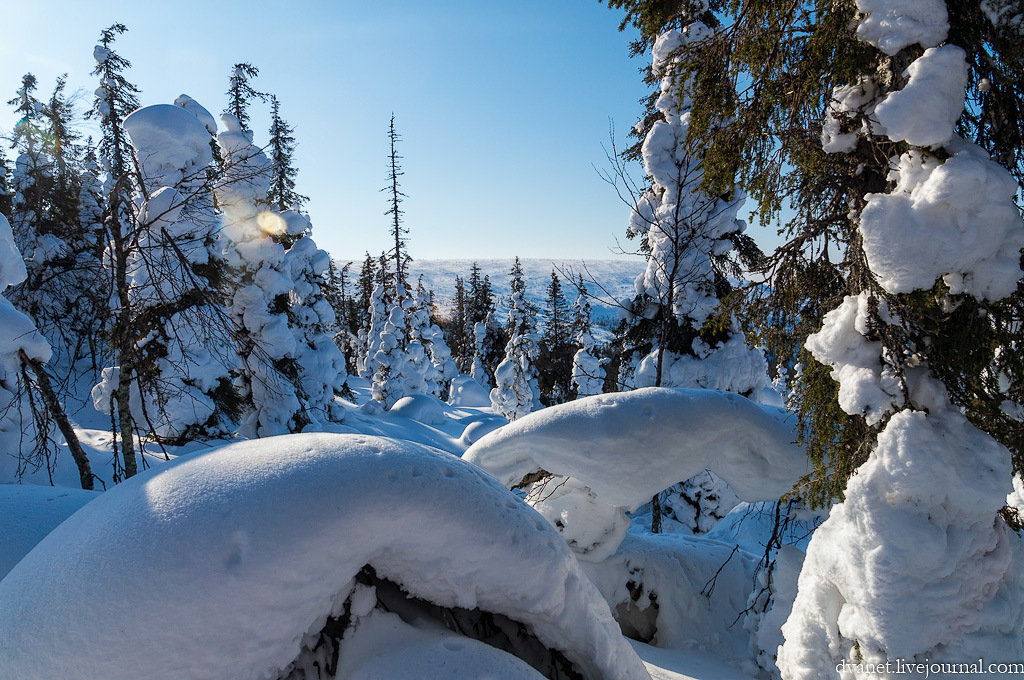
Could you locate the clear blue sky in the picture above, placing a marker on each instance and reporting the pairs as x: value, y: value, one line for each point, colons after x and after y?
x: 503, y: 108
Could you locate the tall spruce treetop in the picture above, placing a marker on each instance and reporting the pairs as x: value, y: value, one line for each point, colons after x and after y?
x: 241, y: 93
x: 282, y: 195
x: 399, y: 252
x: 115, y: 99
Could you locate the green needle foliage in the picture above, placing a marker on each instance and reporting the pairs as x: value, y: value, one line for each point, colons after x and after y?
x: 768, y: 72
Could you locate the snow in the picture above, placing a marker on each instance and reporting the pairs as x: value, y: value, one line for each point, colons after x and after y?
x: 12, y: 266
x: 924, y: 111
x: 628, y: 446
x: 847, y: 101
x: 197, y: 110
x: 867, y: 386
x: 955, y: 220
x: 384, y: 647
x: 465, y: 391
x: 664, y: 589
x: 28, y: 513
x: 171, y: 142
x: 891, y: 25
x: 915, y: 563
x: 261, y: 540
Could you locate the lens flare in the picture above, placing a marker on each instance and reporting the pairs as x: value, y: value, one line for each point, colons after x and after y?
x: 271, y: 223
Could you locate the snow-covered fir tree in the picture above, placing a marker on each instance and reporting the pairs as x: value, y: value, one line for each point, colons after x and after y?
x: 588, y: 372
x: 423, y: 330
x: 688, y: 235
x: 516, y: 393
x: 282, y: 194
x: 183, y: 357
x: 944, y: 233
x: 290, y: 364
x: 115, y: 98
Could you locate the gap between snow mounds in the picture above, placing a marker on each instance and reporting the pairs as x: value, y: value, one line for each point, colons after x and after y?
x: 221, y: 564
x: 628, y: 446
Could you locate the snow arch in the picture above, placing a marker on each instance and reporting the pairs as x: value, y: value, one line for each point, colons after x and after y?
x: 629, y: 446
x: 219, y: 565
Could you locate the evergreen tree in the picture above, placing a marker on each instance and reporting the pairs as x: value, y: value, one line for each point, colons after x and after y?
x: 115, y: 99
x: 458, y: 338
x: 855, y: 117
x: 516, y: 392
x: 588, y: 371
x: 554, y: 361
x: 282, y: 194
x: 399, y: 253
x: 241, y: 93
x: 6, y: 192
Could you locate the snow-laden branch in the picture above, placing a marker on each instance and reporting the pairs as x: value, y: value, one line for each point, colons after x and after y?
x: 629, y: 446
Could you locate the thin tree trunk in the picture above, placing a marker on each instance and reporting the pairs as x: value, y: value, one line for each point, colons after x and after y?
x: 123, y: 340
x: 54, y: 406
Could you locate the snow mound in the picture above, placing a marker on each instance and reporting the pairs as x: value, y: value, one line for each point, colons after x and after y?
x: 465, y: 391
x: 629, y: 446
x: 243, y: 552
x: 28, y: 513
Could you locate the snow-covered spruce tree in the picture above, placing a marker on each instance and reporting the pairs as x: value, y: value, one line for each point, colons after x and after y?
x: 89, y: 317
x: 6, y: 193
x: 115, y: 99
x: 399, y: 364
x: 515, y: 393
x: 588, y: 371
x: 182, y: 355
x: 460, y: 339
x: 65, y: 281
x: 675, y: 333
x: 322, y: 372
x: 282, y: 194
x: 291, y: 367
x: 689, y: 235
x: 423, y: 329
x: 241, y: 93
x: 903, y: 266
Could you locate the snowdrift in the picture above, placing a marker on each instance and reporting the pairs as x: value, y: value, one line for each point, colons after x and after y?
x: 225, y: 564
x: 629, y: 446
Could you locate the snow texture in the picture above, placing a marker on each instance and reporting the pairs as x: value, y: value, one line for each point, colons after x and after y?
x: 867, y: 385
x: 660, y: 586
x: 954, y: 220
x: 924, y: 111
x: 915, y: 563
x: 255, y: 544
x: 891, y: 25
x: 170, y: 141
x: 28, y: 513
